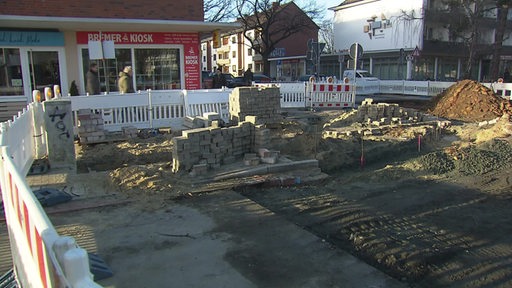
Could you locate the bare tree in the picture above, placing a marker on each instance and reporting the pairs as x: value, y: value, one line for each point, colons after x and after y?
x: 218, y: 10
x: 499, y: 36
x: 273, y: 21
x: 327, y: 35
x: 468, y: 28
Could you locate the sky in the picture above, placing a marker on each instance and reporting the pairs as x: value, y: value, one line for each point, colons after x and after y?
x: 328, y: 14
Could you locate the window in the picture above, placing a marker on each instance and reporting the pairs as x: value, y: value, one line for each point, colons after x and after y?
x: 204, y: 58
x: 249, y: 52
x: 233, y: 39
x: 157, y: 69
x: 214, y: 57
x: 11, y: 82
x: 225, y: 41
x: 109, y: 69
x: 233, y: 68
x: 220, y: 56
x: 226, y: 55
x: 233, y: 54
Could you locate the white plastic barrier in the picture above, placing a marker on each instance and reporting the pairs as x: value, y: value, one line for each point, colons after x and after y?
x: 435, y: 87
x: 198, y: 102
x: 32, y: 236
x: 152, y: 109
x: 293, y: 95
x: 334, y: 95
x: 503, y: 90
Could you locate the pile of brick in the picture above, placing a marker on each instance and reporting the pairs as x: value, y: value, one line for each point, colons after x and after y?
x: 201, y: 149
x: 207, y: 120
x: 385, y: 114
x: 90, y: 127
x: 264, y: 103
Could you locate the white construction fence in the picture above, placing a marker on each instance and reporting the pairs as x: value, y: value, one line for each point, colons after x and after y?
x: 41, y: 257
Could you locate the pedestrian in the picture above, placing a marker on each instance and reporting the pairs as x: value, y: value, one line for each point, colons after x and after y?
x: 248, y: 76
x: 92, y: 86
x: 124, y: 82
x: 219, y: 80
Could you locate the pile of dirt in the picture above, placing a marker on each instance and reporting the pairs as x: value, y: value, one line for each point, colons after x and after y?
x: 469, y: 101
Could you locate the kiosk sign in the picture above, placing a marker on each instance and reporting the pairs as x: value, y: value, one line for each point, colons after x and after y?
x: 190, y: 42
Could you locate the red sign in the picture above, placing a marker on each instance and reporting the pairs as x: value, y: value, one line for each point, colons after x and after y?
x: 190, y: 42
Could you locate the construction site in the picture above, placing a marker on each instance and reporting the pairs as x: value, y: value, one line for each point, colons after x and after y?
x: 418, y: 193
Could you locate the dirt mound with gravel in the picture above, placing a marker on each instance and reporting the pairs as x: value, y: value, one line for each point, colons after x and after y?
x: 469, y: 101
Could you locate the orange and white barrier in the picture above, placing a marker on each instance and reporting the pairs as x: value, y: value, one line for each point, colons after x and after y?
x: 332, y: 95
x: 33, y: 239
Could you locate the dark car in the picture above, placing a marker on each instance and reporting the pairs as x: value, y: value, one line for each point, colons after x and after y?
x: 260, y: 78
x: 237, y: 82
x: 207, y: 79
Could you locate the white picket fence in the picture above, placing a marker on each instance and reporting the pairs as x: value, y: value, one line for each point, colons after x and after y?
x: 41, y: 257
x: 167, y: 108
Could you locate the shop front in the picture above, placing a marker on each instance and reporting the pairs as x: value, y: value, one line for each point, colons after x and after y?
x: 39, y: 52
x: 30, y: 60
x: 160, y: 60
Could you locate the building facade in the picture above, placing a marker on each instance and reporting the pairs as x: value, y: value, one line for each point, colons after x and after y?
x: 416, y: 39
x: 46, y: 43
x: 288, y: 61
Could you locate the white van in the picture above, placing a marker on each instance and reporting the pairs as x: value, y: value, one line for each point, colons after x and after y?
x: 366, y: 83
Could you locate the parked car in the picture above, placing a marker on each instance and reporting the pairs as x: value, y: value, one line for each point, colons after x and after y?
x: 260, y: 78
x: 207, y: 79
x: 237, y: 82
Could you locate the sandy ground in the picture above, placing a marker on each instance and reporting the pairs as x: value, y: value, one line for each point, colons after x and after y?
x: 434, y: 214
x: 431, y: 217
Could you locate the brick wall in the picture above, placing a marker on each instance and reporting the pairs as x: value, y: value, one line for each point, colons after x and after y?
x: 127, y: 9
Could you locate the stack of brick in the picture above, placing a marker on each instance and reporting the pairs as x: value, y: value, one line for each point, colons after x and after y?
x: 211, y: 146
x: 264, y: 103
x: 90, y: 127
x: 208, y: 119
x: 384, y: 113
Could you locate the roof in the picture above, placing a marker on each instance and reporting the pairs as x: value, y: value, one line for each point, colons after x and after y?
x: 111, y: 24
x: 347, y: 3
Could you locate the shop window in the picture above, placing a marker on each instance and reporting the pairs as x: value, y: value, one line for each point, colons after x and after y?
x: 108, y: 69
x: 10, y: 72
x: 157, y: 69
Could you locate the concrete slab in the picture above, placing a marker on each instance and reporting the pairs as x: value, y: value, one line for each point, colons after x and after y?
x: 219, y: 239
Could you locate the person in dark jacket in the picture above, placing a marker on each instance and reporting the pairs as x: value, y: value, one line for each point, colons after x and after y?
x: 124, y: 82
x: 219, y: 80
x: 248, y: 77
x: 92, y: 86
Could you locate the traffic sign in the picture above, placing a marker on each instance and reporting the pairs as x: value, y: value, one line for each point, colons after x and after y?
x: 356, y: 51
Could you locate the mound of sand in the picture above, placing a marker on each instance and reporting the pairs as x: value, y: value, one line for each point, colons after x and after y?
x: 469, y: 101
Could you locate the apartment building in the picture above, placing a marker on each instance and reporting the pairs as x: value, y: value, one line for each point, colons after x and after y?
x: 46, y: 43
x: 417, y: 39
x: 288, y: 61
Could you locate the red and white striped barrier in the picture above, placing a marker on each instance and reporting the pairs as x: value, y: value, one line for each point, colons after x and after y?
x: 330, y: 95
x: 37, y: 258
